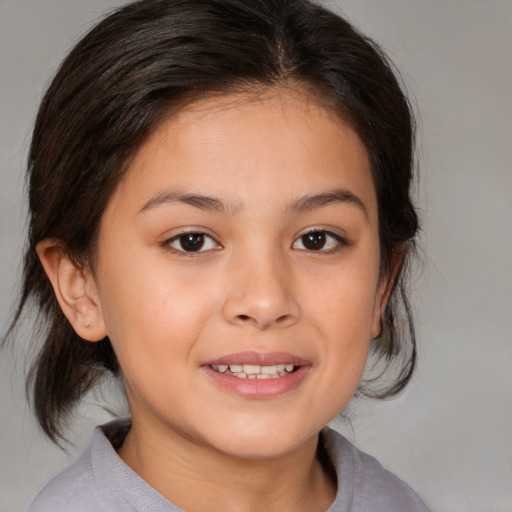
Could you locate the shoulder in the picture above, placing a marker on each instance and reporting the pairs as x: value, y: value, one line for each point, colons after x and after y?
x: 364, y: 482
x: 100, y: 480
x: 69, y: 490
x: 83, y: 486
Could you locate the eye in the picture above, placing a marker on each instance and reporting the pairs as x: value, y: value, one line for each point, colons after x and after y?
x: 318, y: 240
x: 192, y: 242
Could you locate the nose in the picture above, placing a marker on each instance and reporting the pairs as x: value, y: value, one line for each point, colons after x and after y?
x: 260, y: 294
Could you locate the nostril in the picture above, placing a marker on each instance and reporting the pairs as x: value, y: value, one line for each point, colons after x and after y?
x: 284, y: 319
x: 281, y: 321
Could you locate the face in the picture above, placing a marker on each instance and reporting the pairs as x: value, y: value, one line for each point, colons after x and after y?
x: 238, y: 273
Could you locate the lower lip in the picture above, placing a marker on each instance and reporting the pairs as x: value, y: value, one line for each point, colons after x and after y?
x: 258, y: 388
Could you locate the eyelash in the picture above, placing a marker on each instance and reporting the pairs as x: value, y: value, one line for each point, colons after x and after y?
x: 180, y: 238
x: 337, y: 242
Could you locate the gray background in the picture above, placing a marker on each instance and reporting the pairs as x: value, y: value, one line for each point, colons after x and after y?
x: 450, y: 434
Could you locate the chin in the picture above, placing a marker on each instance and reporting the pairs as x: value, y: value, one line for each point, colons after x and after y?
x: 262, y: 441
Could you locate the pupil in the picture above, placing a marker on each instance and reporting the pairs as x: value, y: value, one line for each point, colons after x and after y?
x: 192, y: 241
x: 314, y: 241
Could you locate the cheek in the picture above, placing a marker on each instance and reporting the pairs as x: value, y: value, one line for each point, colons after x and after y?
x: 151, y: 308
x: 341, y: 305
x: 343, y: 299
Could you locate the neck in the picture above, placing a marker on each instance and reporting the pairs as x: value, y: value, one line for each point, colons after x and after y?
x: 199, y: 478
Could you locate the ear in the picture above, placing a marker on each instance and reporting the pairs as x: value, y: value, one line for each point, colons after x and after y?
x: 75, y: 290
x: 384, y: 289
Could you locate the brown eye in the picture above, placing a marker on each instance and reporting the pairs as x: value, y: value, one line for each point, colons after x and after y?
x: 317, y: 240
x: 314, y: 241
x: 192, y: 242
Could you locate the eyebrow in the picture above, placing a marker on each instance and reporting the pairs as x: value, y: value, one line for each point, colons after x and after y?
x: 206, y: 203
x: 340, y: 195
x: 215, y: 204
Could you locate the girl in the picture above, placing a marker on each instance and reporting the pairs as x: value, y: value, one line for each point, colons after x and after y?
x: 221, y: 216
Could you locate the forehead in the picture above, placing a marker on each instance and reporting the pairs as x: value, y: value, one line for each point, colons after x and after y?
x: 251, y: 146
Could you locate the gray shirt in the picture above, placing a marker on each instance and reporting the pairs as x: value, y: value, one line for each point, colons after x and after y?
x: 99, y: 481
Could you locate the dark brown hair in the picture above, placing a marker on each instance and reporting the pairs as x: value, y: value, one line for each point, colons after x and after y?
x: 137, y: 67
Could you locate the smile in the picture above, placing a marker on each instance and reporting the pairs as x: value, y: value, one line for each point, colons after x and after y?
x: 254, y: 375
x: 255, y: 371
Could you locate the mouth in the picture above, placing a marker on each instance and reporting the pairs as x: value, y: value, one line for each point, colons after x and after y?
x: 255, y: 371
x: 256, y: 375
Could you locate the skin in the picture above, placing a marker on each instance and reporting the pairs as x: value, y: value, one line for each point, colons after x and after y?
x: 255, y: 287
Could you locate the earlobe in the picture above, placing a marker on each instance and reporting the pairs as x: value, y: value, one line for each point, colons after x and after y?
x: 75, y: 290
x: 384, y: 289
x: 381, y: 301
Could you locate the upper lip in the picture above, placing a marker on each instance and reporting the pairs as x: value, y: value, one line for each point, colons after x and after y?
x: 258, y: 358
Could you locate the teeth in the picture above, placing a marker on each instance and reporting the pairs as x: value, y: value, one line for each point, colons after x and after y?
x: 255, y: 371
x: 252, y: 369
x: 269, y: 370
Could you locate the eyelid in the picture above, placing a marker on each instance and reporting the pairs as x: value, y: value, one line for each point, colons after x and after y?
x: 167, y: 243
x: 341, y: 241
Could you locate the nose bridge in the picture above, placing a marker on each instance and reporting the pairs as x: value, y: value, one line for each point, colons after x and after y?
x: 260, y: 289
